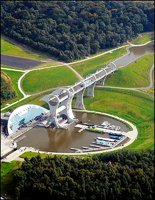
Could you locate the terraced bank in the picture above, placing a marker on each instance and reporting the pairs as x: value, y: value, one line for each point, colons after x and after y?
x: 136, y: 74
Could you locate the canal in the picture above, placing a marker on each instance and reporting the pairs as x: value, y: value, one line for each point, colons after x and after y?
x: 133, y: 54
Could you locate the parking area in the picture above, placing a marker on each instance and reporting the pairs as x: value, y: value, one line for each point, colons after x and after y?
x: 18, y: 62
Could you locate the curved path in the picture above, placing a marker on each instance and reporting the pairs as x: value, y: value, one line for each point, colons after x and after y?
x: 131, y: 134
x: 136, y: 88
x: 76, y: 73
x: 19, y: 84
x: 150, y: 86
x: 139, y: 45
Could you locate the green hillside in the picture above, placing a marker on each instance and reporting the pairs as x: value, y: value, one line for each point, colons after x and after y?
x: 136, y: 74
x: 7, y: 91
x: 12, y: 49
x: 71, y: 30
x: 40, y: 80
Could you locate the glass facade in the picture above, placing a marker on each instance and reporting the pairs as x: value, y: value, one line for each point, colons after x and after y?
x: 22, y: 115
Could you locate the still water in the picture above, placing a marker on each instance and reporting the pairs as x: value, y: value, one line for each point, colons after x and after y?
x: 134, y: 54
x: 61, y: 140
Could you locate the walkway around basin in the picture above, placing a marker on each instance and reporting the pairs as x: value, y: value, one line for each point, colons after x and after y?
x: 131, y: 134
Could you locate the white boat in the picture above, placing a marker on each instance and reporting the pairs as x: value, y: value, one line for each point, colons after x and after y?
x: 105, y: 123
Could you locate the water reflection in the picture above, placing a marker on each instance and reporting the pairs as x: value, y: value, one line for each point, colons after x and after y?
x: 61, y: 140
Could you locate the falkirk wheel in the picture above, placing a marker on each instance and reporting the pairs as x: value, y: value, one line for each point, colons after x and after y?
x: 60, y: 101
x: 60, y: 104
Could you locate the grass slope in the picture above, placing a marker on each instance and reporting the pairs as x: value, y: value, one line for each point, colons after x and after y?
x: 150, y: 91
x: 134, y: 75
x: 14, y: 76
x: 130, y: 105
x: 34, y: 99
x: 143, y: 38
x: 12, y: 49
x: 33, y: 154
x: 7, y: 91
x: 7, y: 170
x: 37, y: 81
x: 10, y: 67
x: 90, y: 66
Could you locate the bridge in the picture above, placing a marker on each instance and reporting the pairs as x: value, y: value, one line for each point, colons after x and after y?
x: 60, y: 101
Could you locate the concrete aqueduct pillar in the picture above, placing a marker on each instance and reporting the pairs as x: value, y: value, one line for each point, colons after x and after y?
x: 90, y: 90
x: 60, y: 101
x: 101, y: 81
x: 79, y: 104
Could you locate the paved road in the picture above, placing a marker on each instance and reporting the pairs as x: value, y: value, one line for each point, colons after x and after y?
x: 19, y: 62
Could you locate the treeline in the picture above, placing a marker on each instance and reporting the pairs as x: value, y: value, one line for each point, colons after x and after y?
x: 72, y: 30
x: 116, y: 176
x: 7, y: 92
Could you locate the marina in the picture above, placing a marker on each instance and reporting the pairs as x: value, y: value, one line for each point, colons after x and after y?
x: 74, y: 138
x: 113, y: 136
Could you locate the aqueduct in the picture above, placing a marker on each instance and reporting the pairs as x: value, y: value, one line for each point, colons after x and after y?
x: 60, y: 101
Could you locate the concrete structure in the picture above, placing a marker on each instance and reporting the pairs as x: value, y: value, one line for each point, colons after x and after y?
x: 60, y: 101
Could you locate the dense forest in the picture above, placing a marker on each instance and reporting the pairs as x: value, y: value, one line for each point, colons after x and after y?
x: 115, y: 176
x: 70, y: 30
x: 7, y: 92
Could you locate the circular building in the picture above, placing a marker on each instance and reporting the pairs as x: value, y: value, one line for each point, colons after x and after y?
x: 23, y: 115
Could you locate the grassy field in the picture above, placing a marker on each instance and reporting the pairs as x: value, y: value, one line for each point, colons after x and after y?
x: 150, y: 91
x: 7, y: 170
x: 14, y: 76
x: 12, y: 49
x: 34, y: 99
x: 10, y: 67
x: 135, y: 107
x: 48, y: 64
x: 143, y: 38
x: 90, y: 66
x: 33, y: 154
x: 134, y: 75
x: 37, y: 81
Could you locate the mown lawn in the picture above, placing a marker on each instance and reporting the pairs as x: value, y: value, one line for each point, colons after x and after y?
x: 34, y: 99
x: 12, y: 49
x: 7, y: 170
x: 33, y: 154
x: 135, y: 74
x: 14, y: 76
x: 133, y: 106
x: 10, y: 67
x: 90, y: 66
x: 40, y: 80
x: 48, y: 64
x: 143, y: 38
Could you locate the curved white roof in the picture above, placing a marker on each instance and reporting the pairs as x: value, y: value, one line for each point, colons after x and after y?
x: 23, y: 114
